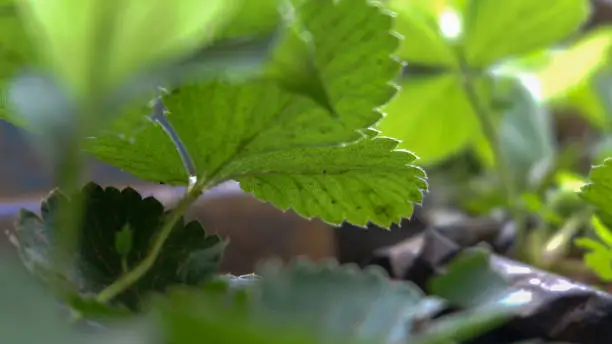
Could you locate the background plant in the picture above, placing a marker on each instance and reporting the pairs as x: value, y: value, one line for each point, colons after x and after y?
x: 282, y: 97
x: 495, y: 92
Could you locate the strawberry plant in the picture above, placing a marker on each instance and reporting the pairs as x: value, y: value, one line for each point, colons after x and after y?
x: 287, y: 98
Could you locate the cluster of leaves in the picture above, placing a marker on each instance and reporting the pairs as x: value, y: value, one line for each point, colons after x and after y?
x: 286, y: 113
x: 515, y: 68
x: 467, y: 58
x: 303, y: 302
x: 282, y: 97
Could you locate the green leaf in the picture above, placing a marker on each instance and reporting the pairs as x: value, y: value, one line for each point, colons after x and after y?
x: 495, y: 30
x: 598, y: 257
x: 306, y: 301
x: 364, y: 182
x: 471, y: 282
x: 293, y: 65
x: 193, y: 316
x: 274, y: 142
x: 578, y: 64
x: 423, y: 43
x: 432, y: 117
x: 599, y: 189
x: 28, y: 313
x: 570, y: 76
x: 342, y: 302
x: 189, y: 255
x: 460, y: 327
x: 124, y: 240
x: 603, y: 233
x: 526, y: 137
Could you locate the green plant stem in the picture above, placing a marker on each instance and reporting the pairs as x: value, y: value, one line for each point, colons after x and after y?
x: 143, y: 267
x: 485, y: 117
x: 68, y: 169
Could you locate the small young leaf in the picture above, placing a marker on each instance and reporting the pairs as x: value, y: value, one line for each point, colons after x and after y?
x: 470, y: 281
x: 189, y: 255
x: 598, y: 257
x: 495, y: 30
x: 599, y: 189
x: 124, y: 240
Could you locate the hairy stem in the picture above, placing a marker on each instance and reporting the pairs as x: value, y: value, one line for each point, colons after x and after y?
x: 485, y: 117
x: 143, y: 267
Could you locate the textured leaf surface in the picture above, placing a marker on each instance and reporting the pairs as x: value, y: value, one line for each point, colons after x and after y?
x: 274, y: 142
x: 495, y: 30
x: 189, y: 255
x: 365, y: 181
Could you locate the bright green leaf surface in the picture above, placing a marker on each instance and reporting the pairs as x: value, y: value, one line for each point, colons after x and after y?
x: 366, y: 181
x: 423, y: 43
x: 271, y: 140
x: 189, y: 255
x: 570, y: 68
x: 495, y: 29
x: 432, y: 117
